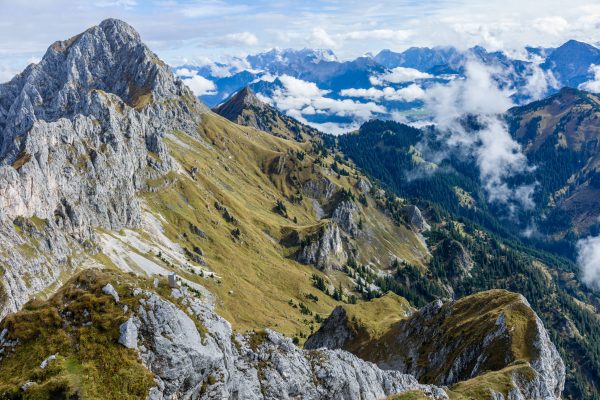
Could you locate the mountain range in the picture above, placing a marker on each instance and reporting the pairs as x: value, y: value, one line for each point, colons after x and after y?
x: 389, y: 83
x: 151, y: 247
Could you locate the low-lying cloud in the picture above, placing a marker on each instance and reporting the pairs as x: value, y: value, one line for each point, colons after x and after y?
x: 299, y: 98
x: 409, y: 93
x: 399, y: 75
x: 198, y: 84
x: 588, y: 258
x: 497, y: 155
x: 594, y: 84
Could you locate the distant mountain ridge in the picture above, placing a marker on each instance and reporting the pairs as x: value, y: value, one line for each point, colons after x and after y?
x: 394, y: 82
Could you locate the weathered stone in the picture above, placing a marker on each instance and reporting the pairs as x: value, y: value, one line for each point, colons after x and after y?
x: 110, y: 290
x: 47, y: 361
x: 80, y: 133
x: 324, y: 250
x: 415, y: 218
x: 219, y: 364
x: 128, y: 334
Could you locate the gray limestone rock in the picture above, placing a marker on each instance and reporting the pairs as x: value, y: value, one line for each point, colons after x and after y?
x: 415, y: 218
x: 345, y: 216
x: 110, y: 290
x: 325, y: 249
x: 217, y: 364
x: 128, y: 334
x: 80, y: 133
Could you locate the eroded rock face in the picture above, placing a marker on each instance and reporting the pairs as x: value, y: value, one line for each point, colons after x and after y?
x: 216, y: 364
x: 80, y: 134
x: 83, y: 128
x: 415, y: 218
x: 325, y: 250
x: 321, y: 188
x: 345, y: 215
x: 448, y: 343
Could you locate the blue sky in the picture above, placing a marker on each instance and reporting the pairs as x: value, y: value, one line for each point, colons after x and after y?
x: 193, y: 31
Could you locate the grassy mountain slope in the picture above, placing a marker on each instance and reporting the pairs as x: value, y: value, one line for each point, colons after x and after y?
x: 240, y: 170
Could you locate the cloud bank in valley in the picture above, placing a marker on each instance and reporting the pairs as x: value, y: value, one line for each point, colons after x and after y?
x: 299, y: 98
x: 495, y: 152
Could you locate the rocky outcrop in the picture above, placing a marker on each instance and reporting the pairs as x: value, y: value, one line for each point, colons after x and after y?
x: 345, y: 216
x: 415, y: 218
x: 364, y: 185
x: 335, y: 332
x: 445, y: 344
x: 80, y: 133
x: 218, y: 364
x: 325, y: 249
x: 321, y: 188
x: 83, y: 128
x: 190, y: 351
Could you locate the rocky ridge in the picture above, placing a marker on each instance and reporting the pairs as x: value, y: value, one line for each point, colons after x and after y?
x: 80, y: 133
x: 190, y: 350
x: 445, y: 344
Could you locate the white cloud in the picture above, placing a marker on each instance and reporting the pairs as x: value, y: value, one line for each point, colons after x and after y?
x: 551, y: 25
x: 7, y: 73
x: 320, y: 38
x: 588, y: 258
x: 497, y: 155
x: 185, y: 72
x: 116, y: 3
x: 410, y: 93
x: 538, y: 82
x: 594, y: 84
x: 212, y: 8
x: 399, y: 75
x: 200, y: 85
x: 242, y: 38
x: 299, y: 98
x: 378, y: 34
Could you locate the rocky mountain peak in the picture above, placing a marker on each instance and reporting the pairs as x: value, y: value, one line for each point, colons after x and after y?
x: 81, y: 132
x: 243, y: 99
x: 108, y: 58
x: 245, y: 108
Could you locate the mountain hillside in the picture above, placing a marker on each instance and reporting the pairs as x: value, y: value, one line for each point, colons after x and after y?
x: 476, y: 245
x: 570, y: 63
x: 560, y: 136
